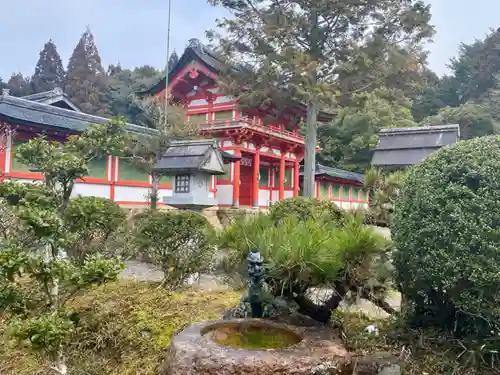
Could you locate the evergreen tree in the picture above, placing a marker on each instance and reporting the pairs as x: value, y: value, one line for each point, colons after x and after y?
x: 19, y: 85
x: 86, y: 81
x: 298, y: 50
x: 172, y: 60
x: 123, y: 83
x: 348, y: 142
x: 49, y: 71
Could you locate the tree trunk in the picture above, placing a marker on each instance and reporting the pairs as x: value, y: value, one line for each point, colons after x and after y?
x: 310, y: 153
x: 153, y: 199
x: 60, y: 363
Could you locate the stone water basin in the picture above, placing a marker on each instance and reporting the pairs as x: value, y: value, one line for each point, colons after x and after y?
x: 251, y: 347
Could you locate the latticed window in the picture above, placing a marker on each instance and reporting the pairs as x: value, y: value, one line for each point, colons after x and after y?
x: 182, y: 183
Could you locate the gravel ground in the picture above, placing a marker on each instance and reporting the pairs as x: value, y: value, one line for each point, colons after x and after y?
x: 136, y: 270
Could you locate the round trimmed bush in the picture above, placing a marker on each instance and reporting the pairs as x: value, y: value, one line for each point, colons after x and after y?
x: 92, y: 224
x: 178, y: 242
x: 304, y: 209
x: 447, y: 234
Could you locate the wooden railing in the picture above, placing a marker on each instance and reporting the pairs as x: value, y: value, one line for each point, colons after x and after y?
x: 250, y: 123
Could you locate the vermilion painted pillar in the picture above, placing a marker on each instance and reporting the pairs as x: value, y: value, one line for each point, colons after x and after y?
x: 296, y: 171
x: 255, y: 177
x: 236, y: 179
x: 282, y: 177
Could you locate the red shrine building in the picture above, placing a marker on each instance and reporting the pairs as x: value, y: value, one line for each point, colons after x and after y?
x: 269, y: 156
x: 271, y: 151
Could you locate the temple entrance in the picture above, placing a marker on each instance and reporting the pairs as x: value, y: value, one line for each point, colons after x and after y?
x: 246, y: 184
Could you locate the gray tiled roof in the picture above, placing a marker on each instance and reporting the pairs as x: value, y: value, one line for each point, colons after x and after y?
x: 323, y: 170
x: 188, y: 156
x: 53, y: 96
x: 28, y: 112
x: 409, y: 146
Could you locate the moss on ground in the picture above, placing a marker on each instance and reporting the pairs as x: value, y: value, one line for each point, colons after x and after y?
x: 424, y: 352
x: 124, y: 329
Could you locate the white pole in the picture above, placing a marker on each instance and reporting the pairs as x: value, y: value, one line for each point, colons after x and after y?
x: 168, y: 58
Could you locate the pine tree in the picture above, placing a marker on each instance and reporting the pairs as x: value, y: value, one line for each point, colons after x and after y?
x: 19, y: 85
x: 49, y: 71
x: 301, y: 50
x: 86, y: 80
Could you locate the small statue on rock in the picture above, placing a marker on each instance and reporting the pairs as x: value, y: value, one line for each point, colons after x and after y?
x: 256, y: 282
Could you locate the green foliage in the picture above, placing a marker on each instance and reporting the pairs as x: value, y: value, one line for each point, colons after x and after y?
x: 311, y: 51
x: 304, y: 209
x: 122, y: 329
x: 37, y: 277
x: 85, y: 81
x: 348, y: 142
x: 179, y: 242
x: 44, y: 333
x: 49, y: 71
x: 427, y: 351
x: 123, y: 84
x: 475, y: 120
x: 19, y: 85
x: 302, y: 254
x: 446, y: 234
x: 91, y: 221
x: 383, y: 189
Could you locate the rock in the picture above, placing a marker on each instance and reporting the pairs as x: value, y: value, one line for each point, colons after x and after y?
x: 374, y: 364
x: 191, y: 353
x: 391, y: 370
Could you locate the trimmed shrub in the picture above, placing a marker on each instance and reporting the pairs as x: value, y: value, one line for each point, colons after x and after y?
x: 178, y: 242
x: 446, y: 231
x: 304, y: 209
x: 91, y: 222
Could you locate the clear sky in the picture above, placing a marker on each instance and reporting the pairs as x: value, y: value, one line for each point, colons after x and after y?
x: 134, y: 32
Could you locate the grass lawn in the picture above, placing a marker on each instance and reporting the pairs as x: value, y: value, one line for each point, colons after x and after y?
x: 124, y: 329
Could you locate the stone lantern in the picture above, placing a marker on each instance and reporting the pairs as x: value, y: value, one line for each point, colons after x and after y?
x: 192, y: 164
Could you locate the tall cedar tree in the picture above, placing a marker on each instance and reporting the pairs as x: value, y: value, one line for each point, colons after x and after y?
x: 49, y: 71
x: 300, y: 50
x: 19, y: 85
x: 85, y: 81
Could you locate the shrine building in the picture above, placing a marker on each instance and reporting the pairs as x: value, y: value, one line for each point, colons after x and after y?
x: 262, y: 159
x: 271, y: 151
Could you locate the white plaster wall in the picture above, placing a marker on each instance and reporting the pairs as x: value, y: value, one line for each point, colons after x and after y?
x: 91, y: 190
x: 222, y: 99
x: 225, y: 194
x: 198, y: 102
x: 355, y: 205
x: 131, y: 194
x: 288, y: 194
x: 263, y: 197
x: 276, y: 195
x: 164, y: 193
